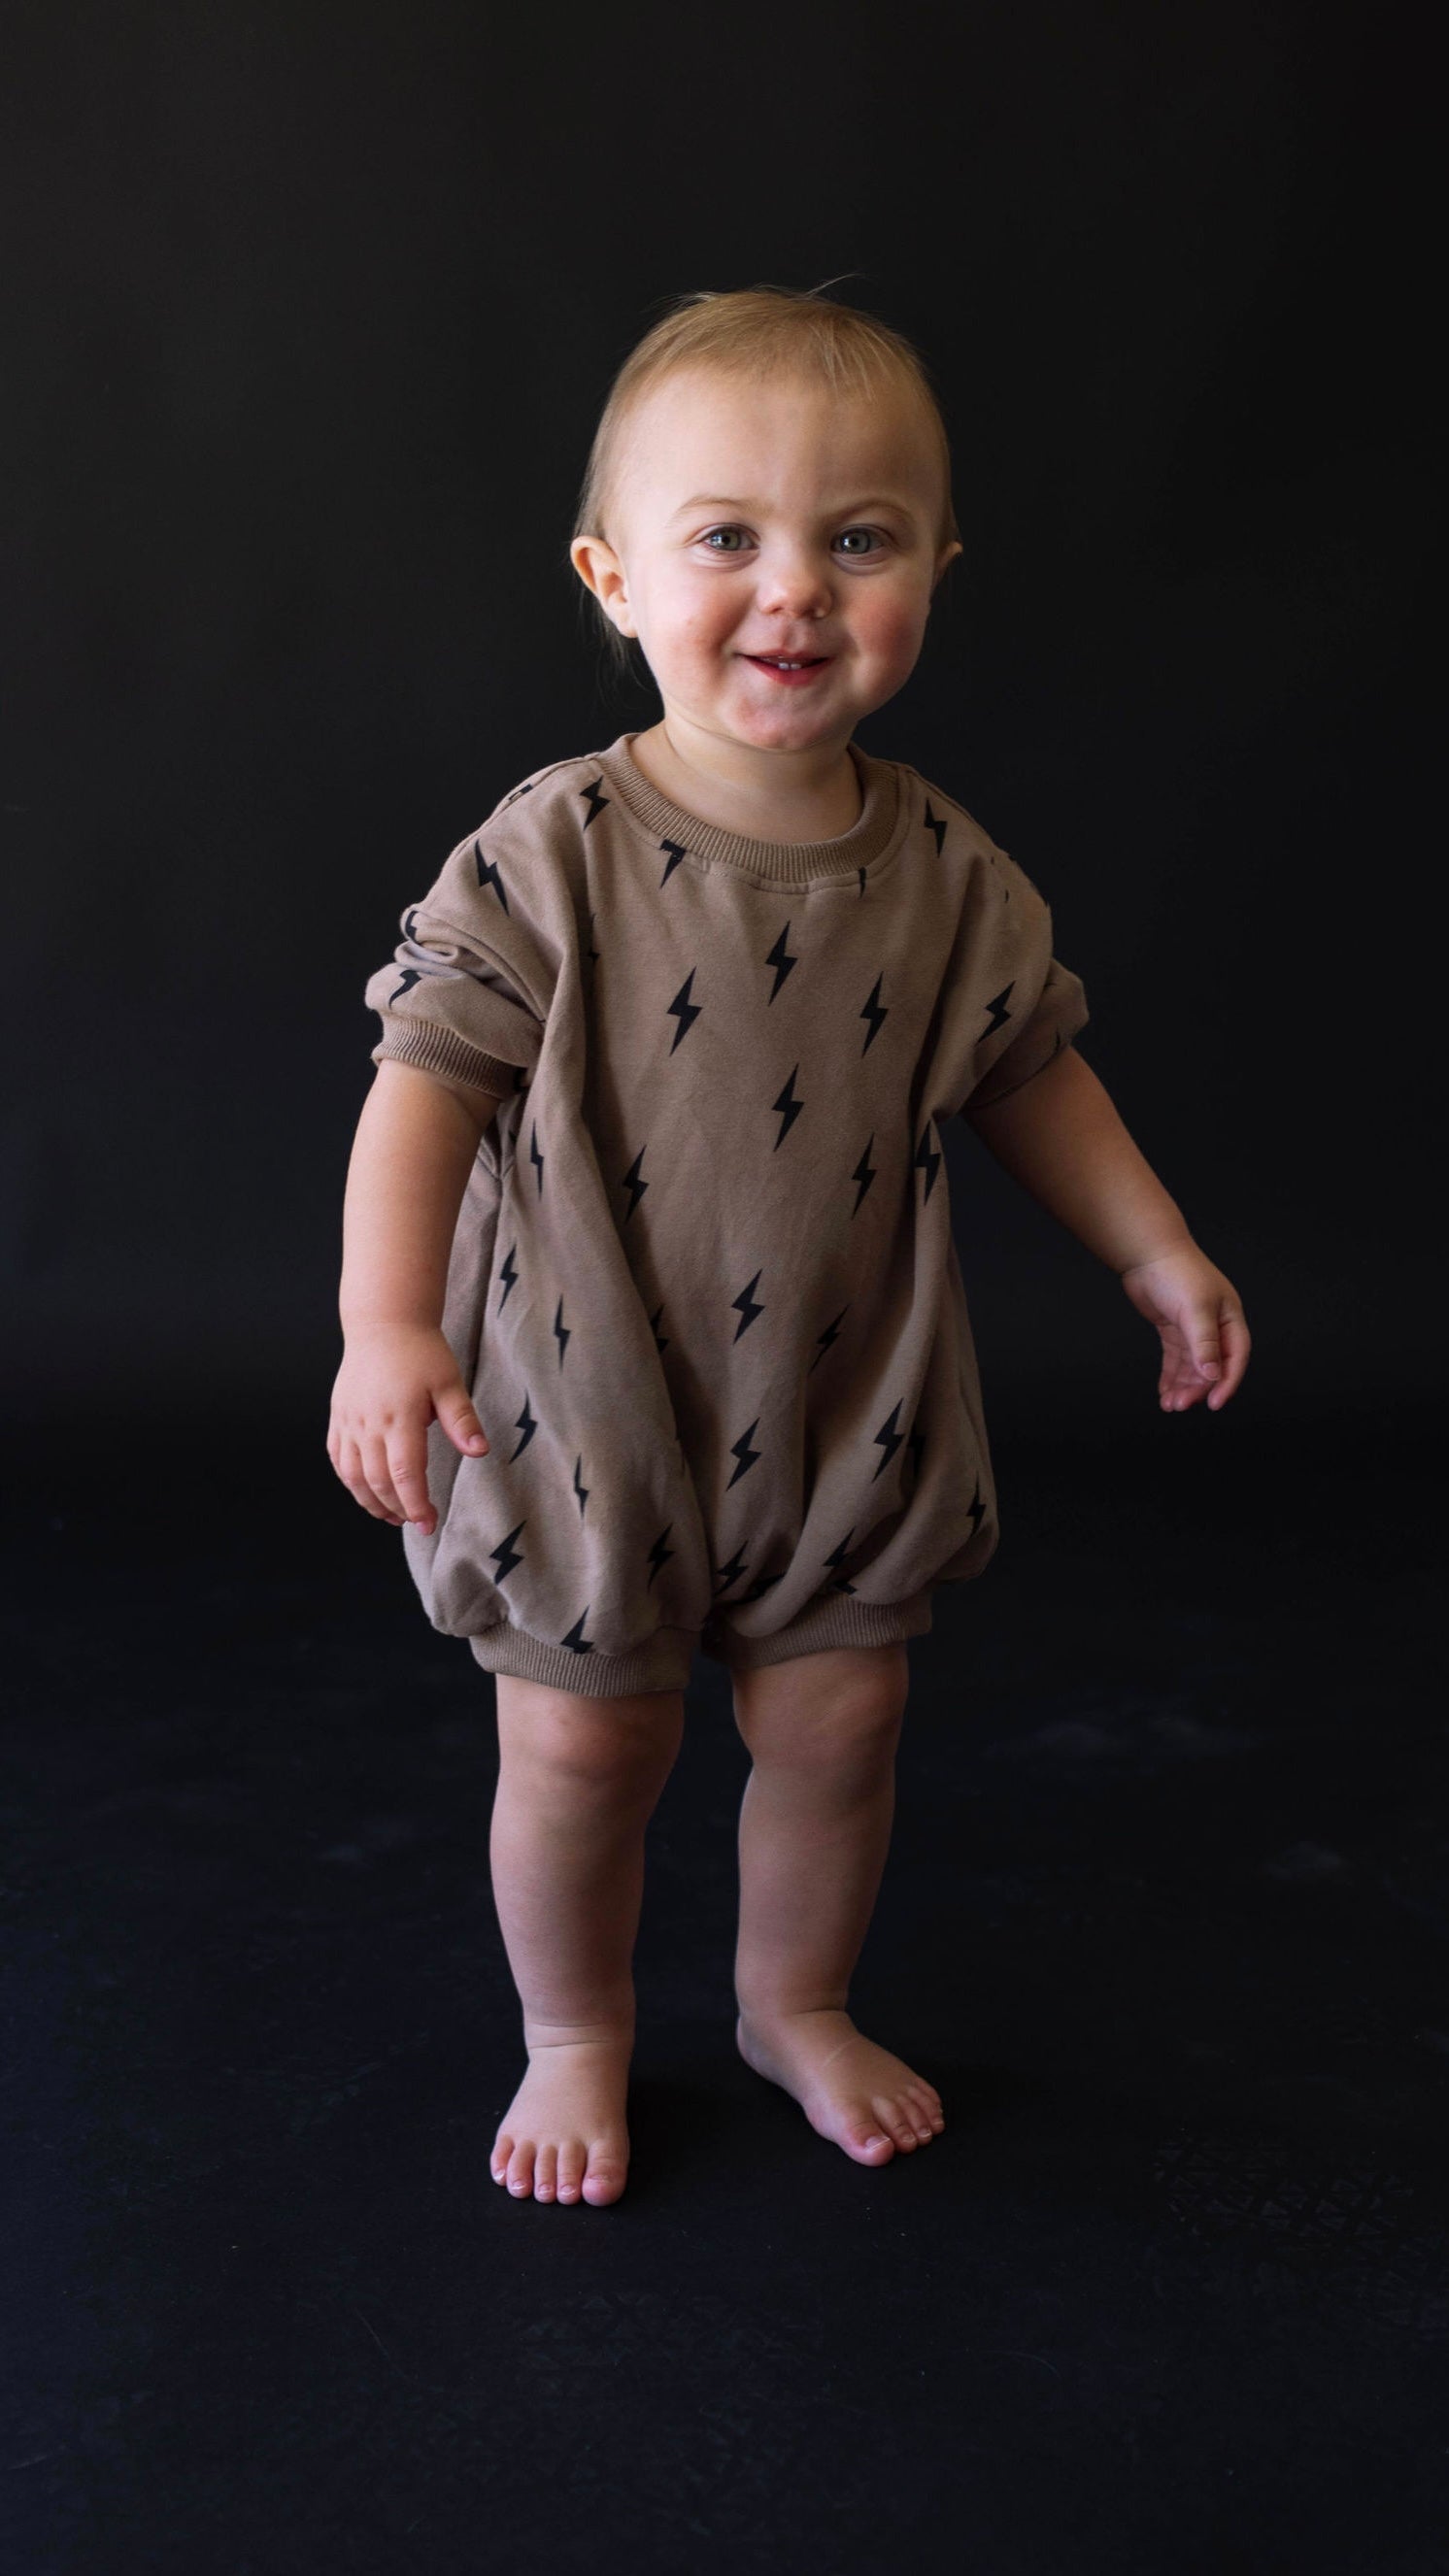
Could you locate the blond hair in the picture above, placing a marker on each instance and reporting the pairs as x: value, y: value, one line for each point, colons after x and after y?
x: 751, y: 332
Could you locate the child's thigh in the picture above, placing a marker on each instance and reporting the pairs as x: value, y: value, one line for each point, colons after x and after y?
x: 841, y: 1700
x: 604, y: 1739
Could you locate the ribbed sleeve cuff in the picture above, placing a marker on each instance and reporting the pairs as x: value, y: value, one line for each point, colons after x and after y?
x: 451, y: 1058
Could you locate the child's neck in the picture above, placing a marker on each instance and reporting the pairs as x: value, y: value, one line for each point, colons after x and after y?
x: 763, y: 795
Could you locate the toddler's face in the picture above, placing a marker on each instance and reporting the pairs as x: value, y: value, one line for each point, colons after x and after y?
x: 772, y: 520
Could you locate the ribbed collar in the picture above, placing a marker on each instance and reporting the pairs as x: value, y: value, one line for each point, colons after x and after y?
x: 883, y: 819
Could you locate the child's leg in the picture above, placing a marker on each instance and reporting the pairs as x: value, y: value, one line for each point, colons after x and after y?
x: 578, y: 1780
x: 814, y: 1830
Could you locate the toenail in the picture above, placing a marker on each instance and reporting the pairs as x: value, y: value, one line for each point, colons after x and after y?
x: 877, y: 2141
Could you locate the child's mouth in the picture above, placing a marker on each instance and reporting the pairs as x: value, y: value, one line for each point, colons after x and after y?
x: 792, y: 674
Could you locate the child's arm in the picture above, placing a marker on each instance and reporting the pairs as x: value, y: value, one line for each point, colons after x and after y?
x: 415, y: 1146
x: 1061, y: 1138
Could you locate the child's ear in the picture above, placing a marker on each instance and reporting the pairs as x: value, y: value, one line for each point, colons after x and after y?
x: 600, y: 570
x: 945, y: 559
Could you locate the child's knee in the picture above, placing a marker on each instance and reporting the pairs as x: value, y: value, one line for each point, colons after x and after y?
x: 601, y: 1743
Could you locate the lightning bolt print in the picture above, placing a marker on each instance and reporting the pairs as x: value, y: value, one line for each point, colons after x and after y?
x: 864, y: 1173
x: 927, y: 1160
x: 534, y: 1156
x: 787, y: 1106
x: 999, y: 1012
x: 581, y: 1491
x: 872, y: 1011
x: 677, y: 851
x: 527, y: 1424
x: 783, y: 963
x: 488, y: 872
x: 659, y: 1555
x: 685, y: 1011
x: 745, y: 1307
x: 574, y: 1639
x: 633, y: 1184
x: 505, y: 1555
x: 888, y: 1440
x: 508, y: 1273
x: 747, y: 1457
x: 933, y: 824
x: 596, y: 801
x: 560, y: 1334
x: 411, y: 975
x: 838, y: 1556
x: 730, y: 1573
x: 826, y: 1341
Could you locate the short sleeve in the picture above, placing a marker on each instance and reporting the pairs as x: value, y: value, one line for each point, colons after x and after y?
x: 1027, y: 1004
x: 467, y: 993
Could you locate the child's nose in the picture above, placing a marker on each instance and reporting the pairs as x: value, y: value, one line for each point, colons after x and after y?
x: 798, y: 584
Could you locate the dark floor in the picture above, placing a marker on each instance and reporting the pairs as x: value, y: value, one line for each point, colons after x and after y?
x: 1166, y: 1920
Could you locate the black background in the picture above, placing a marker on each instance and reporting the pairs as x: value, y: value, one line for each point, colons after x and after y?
x: 313, y: 312
x: 309, y: 315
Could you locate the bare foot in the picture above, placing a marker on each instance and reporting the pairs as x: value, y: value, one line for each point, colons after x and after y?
x: 868, y: 2101
x: 563, y: 2132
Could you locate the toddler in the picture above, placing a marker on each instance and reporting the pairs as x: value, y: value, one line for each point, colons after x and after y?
x: 655, y: 1336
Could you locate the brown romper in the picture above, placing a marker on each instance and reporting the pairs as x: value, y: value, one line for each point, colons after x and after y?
x: 703, y: 1288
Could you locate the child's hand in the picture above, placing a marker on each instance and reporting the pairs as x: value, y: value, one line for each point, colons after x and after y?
x: 390, y: 1385
x: 1199, y: 1314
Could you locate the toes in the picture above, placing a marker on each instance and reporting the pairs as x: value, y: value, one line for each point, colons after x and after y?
x: 896, y: 2124
x: 868, y: 2144
x: 520, y: 2168
x: 572, y: 2159
x: 545, y: 2173
x: 498, y: 2161
x: 605, y: 2177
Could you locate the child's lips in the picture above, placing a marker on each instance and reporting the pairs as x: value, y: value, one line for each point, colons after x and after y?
x: 805, y: 671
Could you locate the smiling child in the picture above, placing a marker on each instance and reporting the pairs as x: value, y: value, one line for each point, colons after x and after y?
x: 655, y: 1337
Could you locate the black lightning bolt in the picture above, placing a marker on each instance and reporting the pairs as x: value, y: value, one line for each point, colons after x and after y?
x: 575, y: 1639
x: 978, y: 1509
x: 871, y: 1010
x: 561, y: 1336
x: 507, y: 1272
x: 788, y: 1107
x: 488, y: 872
x: 411, y: 975
x: 764, y: 1583
x: 685, y: 1011
x: 730, y: 1573
x: 747, y: 1456
x: 927, y: 1160
x: 932, y: 825
x: 838, y: 1556
x: 864, y: 1173
x: 660, y: 1343
x: 997, y: 1005
x: 677, y: 852
x: 505, y: 1556
x: 525, y: 1423
x: 634, y: 1185
x: 581, y: 1490
x: 659, y: 1554
x: 825, y: 1340
x: 745, y: 1307
x: 783, y: 963
x: 888, y: 1440
x: 534, y: 1156
x: 596, y: 801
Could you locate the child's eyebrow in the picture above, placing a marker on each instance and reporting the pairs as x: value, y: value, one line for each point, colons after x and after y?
x: 724, y: 501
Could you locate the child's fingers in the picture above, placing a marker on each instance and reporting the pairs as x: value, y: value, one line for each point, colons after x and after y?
x: 349, y: 1466
x: 457, y: 1417
x: 394, y: 1470
x: 1237, y: 1343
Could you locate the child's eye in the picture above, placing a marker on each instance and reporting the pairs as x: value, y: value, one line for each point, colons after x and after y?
x: 857, y: 532
x: 721, y: 532
x: 871, y: 534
